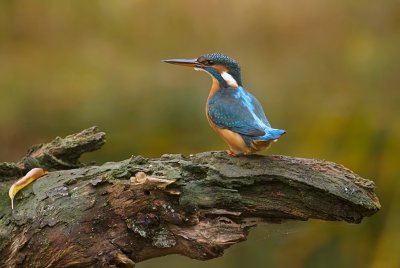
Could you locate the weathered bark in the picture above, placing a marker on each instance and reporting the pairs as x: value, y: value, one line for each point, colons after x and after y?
x: 129, y: 211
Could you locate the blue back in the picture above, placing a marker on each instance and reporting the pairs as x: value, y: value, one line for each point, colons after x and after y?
x: 239, y: 111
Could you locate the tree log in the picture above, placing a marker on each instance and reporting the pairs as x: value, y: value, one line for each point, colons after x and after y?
x: 121, y: 213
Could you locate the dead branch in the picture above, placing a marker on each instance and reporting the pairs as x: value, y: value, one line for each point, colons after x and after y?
x: 125, y: 212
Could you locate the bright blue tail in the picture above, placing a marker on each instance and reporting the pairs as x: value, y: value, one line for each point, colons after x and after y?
x: 273, y: 133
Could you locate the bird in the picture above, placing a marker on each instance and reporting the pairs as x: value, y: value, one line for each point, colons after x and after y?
x: 233, y: 112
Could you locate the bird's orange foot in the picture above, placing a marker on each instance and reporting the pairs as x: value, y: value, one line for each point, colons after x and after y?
x: 231, y: 153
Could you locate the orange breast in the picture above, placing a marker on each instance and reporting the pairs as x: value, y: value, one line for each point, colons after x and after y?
x: 234, y: 140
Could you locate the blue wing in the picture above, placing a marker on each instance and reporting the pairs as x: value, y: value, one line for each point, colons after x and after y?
x: 237, y: 110
x: 258, y: 110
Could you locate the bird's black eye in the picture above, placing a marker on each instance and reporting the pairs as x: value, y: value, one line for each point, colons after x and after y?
x: 209, y: 62
x: 205, y: 61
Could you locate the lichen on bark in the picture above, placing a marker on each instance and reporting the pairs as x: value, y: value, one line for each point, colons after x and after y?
x: 121, y: 213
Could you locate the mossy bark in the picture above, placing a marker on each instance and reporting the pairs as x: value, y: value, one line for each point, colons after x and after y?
x: 124, y: 212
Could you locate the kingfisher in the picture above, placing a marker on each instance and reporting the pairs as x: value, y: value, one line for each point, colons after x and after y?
x: 234, y: 113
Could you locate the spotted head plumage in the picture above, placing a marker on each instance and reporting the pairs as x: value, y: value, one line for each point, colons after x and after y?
x: 221, y: 67
x: 223, y: 64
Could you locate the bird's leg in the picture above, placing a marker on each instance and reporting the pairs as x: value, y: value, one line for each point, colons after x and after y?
x: 231, y: 153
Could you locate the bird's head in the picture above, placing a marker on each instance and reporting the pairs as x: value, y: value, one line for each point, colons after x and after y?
x: 221, y: 67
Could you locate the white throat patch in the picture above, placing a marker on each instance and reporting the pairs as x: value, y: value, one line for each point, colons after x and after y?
x: 230, y: 81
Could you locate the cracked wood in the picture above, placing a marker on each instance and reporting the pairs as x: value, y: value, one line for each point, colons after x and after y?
x: 121, y: 213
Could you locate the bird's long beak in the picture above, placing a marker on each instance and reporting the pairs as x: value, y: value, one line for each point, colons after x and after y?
x: 185, y: 62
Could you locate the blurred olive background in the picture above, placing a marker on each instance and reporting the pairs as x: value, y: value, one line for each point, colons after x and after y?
x: 326, y: 71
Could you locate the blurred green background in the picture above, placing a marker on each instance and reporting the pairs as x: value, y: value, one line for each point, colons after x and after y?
x: 326, y: 71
